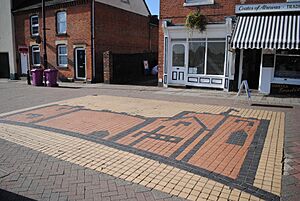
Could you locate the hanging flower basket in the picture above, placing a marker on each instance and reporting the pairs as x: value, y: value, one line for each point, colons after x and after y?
x: 195, y: 20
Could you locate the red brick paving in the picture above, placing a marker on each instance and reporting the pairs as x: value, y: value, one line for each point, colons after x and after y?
x: 41, y: 114
x: 215, y: 154
x: 220, y: 157
x: 87, y: 122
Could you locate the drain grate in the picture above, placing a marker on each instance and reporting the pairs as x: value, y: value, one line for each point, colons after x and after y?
x: 267, y: 105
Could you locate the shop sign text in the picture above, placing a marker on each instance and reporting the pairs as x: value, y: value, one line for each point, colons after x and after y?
x: 265, y: 8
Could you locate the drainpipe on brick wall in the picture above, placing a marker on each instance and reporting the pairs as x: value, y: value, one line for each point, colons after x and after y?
x: 44, y: 34
x: 150, y: 49
x: 93, y: 39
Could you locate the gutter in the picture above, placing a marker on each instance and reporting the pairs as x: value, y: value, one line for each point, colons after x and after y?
x: 39, y: 5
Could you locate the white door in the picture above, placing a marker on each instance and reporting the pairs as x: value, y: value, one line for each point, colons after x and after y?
x: 178, y: 71
x: 24, y: 63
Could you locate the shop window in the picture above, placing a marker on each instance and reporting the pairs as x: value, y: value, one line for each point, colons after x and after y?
x: 178, y: 55
x: 215, y: 58
x: 196, y: 58
x: 34, y: 25
x: 287, y: 64
x: 61, y: 18
x: 36, y: 56
x: 62, y: 55
x: 207, y: 57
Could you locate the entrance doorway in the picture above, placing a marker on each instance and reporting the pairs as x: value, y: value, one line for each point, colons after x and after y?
x: 251, y: 67
x: 24, y: 63
x: 178, y: 64
x: 80, y: 63
x: 4, y: 65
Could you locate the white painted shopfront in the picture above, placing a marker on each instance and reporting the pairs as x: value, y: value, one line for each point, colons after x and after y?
x: 265, y: 44
x: 197, y: 59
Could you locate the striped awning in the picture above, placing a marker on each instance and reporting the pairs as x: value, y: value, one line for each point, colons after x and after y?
x: 269, y: 32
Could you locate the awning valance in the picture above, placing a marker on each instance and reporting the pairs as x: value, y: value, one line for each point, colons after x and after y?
x: 269, y: 32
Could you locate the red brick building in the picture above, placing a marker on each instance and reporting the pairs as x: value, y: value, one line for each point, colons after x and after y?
x: 79, y: 31
x: 210, y: 59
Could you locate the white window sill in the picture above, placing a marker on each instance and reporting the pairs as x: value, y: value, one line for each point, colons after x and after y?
x: 63, y: 66
x: 200, y: 3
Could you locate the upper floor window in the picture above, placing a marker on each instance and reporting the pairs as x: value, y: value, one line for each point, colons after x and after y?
x: 61, y: 24
x: 198, y: 2
x: 36, y: 57
x: 34, y: 24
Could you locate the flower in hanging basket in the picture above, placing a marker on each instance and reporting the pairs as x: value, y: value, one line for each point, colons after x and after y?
x: 195, y: 20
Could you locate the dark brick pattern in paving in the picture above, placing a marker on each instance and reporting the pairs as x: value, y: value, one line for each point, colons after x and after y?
x: 216, y: 125
x: 16, y: 95
x: 40, y: 177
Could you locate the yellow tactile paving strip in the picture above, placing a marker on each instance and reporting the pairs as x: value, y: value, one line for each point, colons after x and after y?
x: 151, y: 173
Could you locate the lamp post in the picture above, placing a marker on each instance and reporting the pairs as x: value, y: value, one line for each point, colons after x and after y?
x: 44, y: 35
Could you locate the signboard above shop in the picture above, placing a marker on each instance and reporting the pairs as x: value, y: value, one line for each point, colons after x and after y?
x: 267, y: 8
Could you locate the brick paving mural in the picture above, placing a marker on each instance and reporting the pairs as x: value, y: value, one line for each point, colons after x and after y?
x: 224, y: 145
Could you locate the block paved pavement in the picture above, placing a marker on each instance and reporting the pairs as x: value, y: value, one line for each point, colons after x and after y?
x: 291, y: 174
x: 42, y: 177
x: 188, y: 151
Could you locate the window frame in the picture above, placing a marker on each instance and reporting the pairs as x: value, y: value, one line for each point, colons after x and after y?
x: 206, y: 41
x: 32, y: 55
x: 34, y: 25
x: 62, y: 55
x: 58, y: 22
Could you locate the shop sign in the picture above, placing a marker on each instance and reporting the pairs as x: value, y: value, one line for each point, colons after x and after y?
x: 267, y: 8
x: 285, y: 89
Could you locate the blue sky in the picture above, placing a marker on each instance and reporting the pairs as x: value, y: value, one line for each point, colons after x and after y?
x: 153, y: 6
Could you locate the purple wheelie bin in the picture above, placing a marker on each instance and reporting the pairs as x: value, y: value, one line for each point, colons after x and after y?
x: 37, y: 77
x: 51, y: 77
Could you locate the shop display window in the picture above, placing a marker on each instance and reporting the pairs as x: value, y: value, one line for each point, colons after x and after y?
x: 287, y: 64
x: 207, y: 57
x: 196, y: 58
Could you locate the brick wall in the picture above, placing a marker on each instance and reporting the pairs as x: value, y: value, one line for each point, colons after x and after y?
x: 175, y: 11
x: 78, y: 33
x: 154, y: 38
x: 116, y: 30
x: 120, y: 32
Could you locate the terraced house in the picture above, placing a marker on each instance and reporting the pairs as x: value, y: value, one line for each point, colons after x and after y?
x: 253, y: 40
x: 78, y: 32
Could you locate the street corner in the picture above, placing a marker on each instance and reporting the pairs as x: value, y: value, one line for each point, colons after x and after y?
x: 188, y: 150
